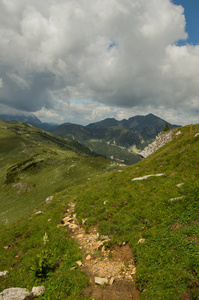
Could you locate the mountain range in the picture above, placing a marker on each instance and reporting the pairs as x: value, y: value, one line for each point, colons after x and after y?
x: 117, y: 140
x: 120, y: 141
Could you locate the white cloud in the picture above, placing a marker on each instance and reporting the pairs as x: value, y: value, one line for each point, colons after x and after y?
x: 119, y: 53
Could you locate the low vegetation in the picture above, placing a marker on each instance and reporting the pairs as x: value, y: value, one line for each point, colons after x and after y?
x: 34, y: 164
x: 162, y: 211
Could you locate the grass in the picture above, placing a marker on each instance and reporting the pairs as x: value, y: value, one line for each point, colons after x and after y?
x: 126, y: 211
x: 24, y: 254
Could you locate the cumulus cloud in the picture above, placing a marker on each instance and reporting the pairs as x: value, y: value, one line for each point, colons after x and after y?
x: 120, y: 54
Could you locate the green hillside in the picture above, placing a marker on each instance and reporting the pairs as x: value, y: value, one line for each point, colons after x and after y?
x: 34, y: 164
x: 161, y: 210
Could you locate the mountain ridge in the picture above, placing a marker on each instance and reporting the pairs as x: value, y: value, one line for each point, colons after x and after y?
x: 116, y: 140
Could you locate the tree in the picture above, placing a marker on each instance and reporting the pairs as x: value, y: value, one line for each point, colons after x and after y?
x: 166, y: 128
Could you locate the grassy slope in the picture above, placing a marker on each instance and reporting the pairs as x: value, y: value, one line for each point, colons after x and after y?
x: 34, y: 164
x: 167, y: 262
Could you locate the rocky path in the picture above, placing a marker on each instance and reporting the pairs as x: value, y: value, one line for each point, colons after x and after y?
x: 111, y: 271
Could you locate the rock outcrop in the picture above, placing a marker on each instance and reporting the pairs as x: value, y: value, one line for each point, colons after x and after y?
x: 162, y: 139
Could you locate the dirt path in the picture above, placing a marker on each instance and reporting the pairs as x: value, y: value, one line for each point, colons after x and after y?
x: 111, y: 272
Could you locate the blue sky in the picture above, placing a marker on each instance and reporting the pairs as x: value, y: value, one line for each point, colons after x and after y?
x: 191, y: 12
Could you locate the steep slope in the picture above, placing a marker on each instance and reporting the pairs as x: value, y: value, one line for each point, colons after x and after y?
x: 35, y: 164
x: 151, y: 206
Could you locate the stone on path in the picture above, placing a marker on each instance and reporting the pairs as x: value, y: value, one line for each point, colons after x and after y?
x: 111, y: 280
x: 14, y: 294
x: 101, y: 281
x: 79, y: 263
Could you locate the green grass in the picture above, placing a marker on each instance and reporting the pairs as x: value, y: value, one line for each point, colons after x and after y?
x: 125, y: 210
x: 25, y: 250
x: 168, y: 261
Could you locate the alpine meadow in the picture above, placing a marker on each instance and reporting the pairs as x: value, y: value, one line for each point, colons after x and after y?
x: 150, y: 208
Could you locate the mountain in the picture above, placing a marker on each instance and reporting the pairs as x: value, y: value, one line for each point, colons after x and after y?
x: 148, y: 126
x: 117, y: 140
x: 137, y: 222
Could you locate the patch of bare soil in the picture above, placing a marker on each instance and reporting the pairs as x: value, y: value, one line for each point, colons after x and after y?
x: 120, y: 289
x: 176, y: 226
x: 111, y: 271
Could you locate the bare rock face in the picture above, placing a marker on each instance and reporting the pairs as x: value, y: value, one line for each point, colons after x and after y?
x: 14, y: 294
x: 162, y: 139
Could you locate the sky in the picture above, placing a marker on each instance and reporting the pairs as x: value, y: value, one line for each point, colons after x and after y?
x: 82, y: 61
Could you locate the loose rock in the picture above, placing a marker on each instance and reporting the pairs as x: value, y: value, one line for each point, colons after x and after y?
x: 101, y: 281
x: 50, y: 198
x: 4, y: 273
x: 38, y: 290
x: 180, y: 185
x: 141, y: 241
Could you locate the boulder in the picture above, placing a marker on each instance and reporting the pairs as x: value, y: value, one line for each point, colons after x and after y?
x: 14, y: 294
